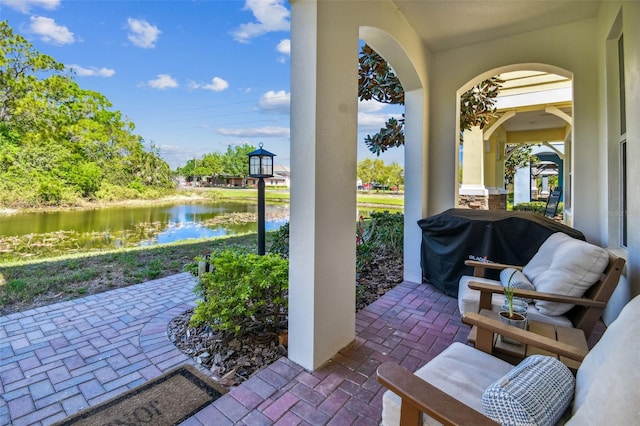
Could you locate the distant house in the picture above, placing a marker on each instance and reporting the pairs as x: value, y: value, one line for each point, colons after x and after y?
x: 281, y: 177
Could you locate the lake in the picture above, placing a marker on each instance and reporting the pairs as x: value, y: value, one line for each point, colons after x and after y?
x: 50, y: 233
x: 44, y: 234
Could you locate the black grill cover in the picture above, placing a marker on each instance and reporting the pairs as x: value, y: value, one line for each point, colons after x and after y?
x: 451, y: 237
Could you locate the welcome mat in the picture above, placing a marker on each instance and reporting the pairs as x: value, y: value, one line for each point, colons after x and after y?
x: 166, y: 400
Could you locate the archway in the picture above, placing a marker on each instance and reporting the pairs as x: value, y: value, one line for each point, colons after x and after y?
x: 533, y: 110
x: 415, y: 157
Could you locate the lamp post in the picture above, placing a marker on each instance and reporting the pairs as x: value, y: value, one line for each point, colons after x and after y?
x: 261, y: 166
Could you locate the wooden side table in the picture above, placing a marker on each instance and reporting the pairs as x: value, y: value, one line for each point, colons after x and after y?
x: 515, y: 353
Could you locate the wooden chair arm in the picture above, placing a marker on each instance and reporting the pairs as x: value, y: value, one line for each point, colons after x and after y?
x: 524, y: 336
x: 531, y: 294
x: 479, y: 267
x: 419, y: 396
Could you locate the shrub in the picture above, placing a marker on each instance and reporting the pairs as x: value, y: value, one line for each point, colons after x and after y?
x: 382, y: 235
x: 242, y: 290
x: 280, y: 241
x: 536, y: 207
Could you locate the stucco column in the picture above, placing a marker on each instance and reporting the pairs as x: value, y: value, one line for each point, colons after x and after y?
x: 324, y: 72
x: 473, y: 168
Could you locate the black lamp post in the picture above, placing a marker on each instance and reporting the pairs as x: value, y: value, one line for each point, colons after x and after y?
x: 261, y: 166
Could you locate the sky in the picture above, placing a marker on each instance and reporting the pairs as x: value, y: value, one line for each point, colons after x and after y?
x: 195, y: 76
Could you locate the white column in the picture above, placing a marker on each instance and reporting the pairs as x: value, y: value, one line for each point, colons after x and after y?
x: 415, y: 199
x: 522, y: 185
x: 323, y: 200
x: 473, y: 164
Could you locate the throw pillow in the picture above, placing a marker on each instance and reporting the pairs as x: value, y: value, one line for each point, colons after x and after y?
x: 567, y: 266
x: 518, y: 280
x: 536, y: 392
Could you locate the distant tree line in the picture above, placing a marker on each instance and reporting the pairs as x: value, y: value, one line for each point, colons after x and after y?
x: 59, y: 143
x: 375, y: 174
x: 233, y: 163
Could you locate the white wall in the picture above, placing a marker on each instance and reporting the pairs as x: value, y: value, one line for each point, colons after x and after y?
x: 615, y: 18
x: 562, y: 50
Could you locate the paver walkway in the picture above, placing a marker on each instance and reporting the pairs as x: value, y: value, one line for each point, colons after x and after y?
x: 59, y: 359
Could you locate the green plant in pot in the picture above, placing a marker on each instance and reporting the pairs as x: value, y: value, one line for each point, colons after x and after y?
x: 510, y: 316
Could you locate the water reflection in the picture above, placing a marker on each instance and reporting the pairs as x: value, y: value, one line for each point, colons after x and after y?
x: 53, y: 233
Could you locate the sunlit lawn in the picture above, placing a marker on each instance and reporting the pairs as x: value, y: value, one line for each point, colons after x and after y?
x: 71, y: 276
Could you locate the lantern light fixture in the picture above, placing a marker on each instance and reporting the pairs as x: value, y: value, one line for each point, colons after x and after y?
x: 260, y: 163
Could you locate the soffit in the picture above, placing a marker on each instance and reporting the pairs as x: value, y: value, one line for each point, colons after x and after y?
x: 448, y: 24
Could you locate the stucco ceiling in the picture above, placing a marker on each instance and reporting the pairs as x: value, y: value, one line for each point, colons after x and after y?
x: 447, y: 24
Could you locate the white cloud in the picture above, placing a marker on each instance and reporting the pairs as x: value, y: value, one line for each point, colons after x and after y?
x: 164, y: 81
x: 217, y: 85
x: 272, y: 101
x: 258, y: 132
x: 178, y: 155
x: 49, y: 31
x: 92, y: 71
x: 374, y: 122
x: 25, y: 6
x: 271, y: 15
x: 284, y: 46
x: 142, y: 33
x: 370, y: 106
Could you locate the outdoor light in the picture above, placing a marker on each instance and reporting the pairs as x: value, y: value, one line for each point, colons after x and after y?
x: 260, y: 163
x: 261, y: 166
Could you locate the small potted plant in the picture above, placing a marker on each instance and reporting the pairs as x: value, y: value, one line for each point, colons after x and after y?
x: 509, y: 315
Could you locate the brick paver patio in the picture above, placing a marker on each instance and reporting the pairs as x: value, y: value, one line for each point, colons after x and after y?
x: 59, y: 359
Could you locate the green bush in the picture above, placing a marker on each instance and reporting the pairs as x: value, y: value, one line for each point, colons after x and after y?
x: 537, y: 207
x: 381, y: 235
x: 243, y: 290
x: 280, y: 241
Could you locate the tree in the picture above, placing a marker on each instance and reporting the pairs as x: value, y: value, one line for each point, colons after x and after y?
x: 377, y: 81
x: 518, y: 156
x: 395, y: 174
x: 375, y: 171
x: 236, y: 160
x: 365, y: 171
x: 59, y: 142
x: 477, y: 105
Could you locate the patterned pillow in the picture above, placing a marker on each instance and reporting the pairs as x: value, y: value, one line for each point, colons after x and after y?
x: 518, y: 280
x: 536, y: 392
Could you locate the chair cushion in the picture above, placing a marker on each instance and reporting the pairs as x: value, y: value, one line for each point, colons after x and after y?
x: 515, y: 278
x: 469, y: 301
x: 567, y: 266
x: 607, y: 380
x: 451, y: 372
x: 536, y: 392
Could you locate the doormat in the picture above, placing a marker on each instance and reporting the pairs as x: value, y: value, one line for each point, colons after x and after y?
x: 166, y: 400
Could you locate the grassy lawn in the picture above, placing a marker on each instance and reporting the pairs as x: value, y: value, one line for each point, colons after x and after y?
x: 251, y: 194
x: 28, y: 284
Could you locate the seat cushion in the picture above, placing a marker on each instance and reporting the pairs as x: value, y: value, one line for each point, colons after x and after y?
x: 451, y: 371
x: 567, y: 266
x: 469, y: 301
x: 536, y: 392
x: 607, y: 380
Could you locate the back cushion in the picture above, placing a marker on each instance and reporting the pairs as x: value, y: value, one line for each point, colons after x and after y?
x: 608, y: 378
x: 567, y: 266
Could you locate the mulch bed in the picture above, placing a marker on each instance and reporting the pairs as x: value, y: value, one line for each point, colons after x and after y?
x: 232, y: 360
